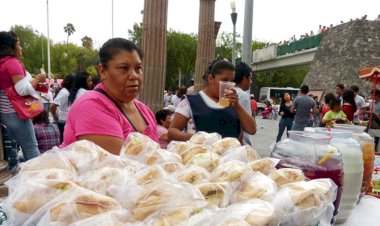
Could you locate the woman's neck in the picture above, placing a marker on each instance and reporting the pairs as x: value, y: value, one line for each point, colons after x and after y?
x: 208, y: 93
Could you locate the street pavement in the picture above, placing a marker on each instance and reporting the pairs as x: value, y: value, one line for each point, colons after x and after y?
x: 265, y: 136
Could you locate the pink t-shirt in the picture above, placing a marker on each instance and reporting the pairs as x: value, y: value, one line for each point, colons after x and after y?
x: 9, y: 66
x: 161, y: 131
x: 94, y: 113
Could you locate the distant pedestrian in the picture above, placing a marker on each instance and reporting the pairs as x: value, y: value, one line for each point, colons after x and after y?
x: 163, y: 118
x: 349, y: 105
x: 253, y: 105
x: 47, y: 134
x: 168, y: 98
x: 287, y: 117
x: 339, y: 89
x: 325, y: 108
x: 302, y: 106
x: 335, y: 115
x: 176, y: 99
x: 360, y: 104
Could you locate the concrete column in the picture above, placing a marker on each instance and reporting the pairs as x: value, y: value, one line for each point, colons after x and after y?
x: 206, y: 42
x: 247, y: 33
x: 154, y: 47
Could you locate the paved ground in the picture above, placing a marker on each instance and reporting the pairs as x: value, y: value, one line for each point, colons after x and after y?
x: 265, y: 136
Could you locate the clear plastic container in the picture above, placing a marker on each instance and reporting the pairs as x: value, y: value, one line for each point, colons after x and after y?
x: 314, y: 155
x: 352, y: 158
x: 368, y: 150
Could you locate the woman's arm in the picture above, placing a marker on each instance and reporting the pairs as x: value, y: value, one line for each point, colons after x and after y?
x: 109, y: 143
x: 53, y: 110
x: 175, y: 131
x: 164, y: 137
x: 39, y: 78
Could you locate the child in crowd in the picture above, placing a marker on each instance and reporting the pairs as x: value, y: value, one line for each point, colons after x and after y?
x: 163, y: 118
x: 47, y: 134
x: 335, y: 115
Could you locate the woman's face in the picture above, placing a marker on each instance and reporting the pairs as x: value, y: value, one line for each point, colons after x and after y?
x: 286, y: 96
x: 213, y: 82
x: 18, y: 50
x: 89, y: 82
x: 123, y: 76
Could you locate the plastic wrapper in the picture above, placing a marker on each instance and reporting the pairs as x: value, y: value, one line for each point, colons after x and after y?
x: 49, y: 160
x: 254, y: 185
x: 265, y: 166
x: 114, y: 161
x: 174, y: 215
x: 160, y: 196
x: 102, y: 179
x: 244, y: 153
x: 193, y: 174
x: 111, y: 218
x: 190, y: 152
x: 205, y: 138
x: 138, y: 147
x: 229, y: 171
x: 221, y: 146
x: 216, y: 193
x: 32, y: 197
x: 151, y: 174
x: 204, y: 217
x: 79, y: 205
x: 287, y: 175
x: 178, y: 146
x: 254, y: 212
x: 207, y: 160
x: 172, y: 167
x: 304, y: 203
x: 162, y: 156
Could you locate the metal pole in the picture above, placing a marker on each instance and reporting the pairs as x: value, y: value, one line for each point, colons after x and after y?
x: 234, y: 46
x: 179, y: 79
x: 48, y: 39
x: 247, y: 33
x: 112, y: 18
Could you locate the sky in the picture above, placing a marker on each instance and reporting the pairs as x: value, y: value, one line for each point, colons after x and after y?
x: 273, y: 20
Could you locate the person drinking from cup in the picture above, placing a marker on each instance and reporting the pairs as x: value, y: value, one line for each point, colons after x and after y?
x: 208, y: 112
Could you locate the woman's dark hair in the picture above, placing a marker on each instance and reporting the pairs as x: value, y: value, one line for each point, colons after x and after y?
x: 349, y: 97
x: 217, y: 66
x: 68, y: 81
x: 334, y: 102
x: 80, y: 81
x: 242, y: 70
x: 8, y: 41
x: 328, y: 97
x: 283, y: 101
x: 181, y: 91
x: 162, y: 115
x: 114, y: 46
x: 42, y: 118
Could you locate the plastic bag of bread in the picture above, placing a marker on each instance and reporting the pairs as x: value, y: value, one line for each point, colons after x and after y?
x: 136, y: 144
x: 111, y: 218
x: 32, y: 197
x: 265, y: 165
x: 254, y: 185
x: 287, y: 175
x: 327, y: 187
x: 221, y: 146
x: 204, y: 217
x: 202, y: 137
x: 162, y: 156
x: 174, y: 215
x: 172, y: 167
x: 302, y: 203
x: 49, y: 160
x: 114, y: 161
x: 193, y: 174
x: 254, y: 212
x: 229, y: 171
x: 101, y: 180
x: 190, y: 152
x: 216, y: 193
x: 83, y: 155
x: 150, y: 174
x: 244, y: 153
x: 161, y: 195
x: 178, y: 146
x: 79, y: 205
x: 207, y: 160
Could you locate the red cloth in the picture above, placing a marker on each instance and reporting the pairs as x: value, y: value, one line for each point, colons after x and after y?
x: 253, y: 105
x: 325, y: 109
x: 349, y: 111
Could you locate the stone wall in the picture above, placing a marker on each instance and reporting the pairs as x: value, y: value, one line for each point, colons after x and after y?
x: 345, y: 49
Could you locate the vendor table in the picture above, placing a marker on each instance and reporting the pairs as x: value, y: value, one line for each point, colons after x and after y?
x: 366, y: 213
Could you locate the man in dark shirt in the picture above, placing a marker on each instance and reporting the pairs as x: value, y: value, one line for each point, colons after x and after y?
x: 303, y: 106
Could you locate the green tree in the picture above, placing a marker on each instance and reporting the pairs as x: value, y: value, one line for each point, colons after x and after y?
x: 69, y: 29
x: 135, y: 35
x: 87, y: 42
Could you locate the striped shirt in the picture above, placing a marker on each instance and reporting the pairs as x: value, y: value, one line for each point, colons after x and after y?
x: 47, y: 136
x: 6, y: 106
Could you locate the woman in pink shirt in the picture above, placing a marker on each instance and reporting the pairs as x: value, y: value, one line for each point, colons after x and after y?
x: 110, y: 112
